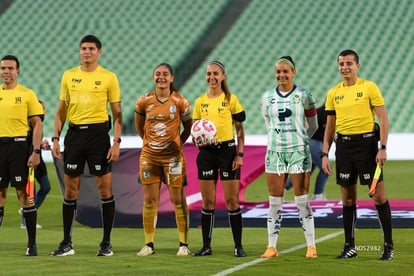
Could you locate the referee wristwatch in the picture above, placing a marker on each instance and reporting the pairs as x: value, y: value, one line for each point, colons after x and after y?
x: 117, y: 140
x: 241, y: 154
x: 37, y: 151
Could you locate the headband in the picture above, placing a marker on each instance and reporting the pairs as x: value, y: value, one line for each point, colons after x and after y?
x: 219, y: 64
x: 287, y: 61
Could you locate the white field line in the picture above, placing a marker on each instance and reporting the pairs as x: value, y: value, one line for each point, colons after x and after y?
x: 300, y: 246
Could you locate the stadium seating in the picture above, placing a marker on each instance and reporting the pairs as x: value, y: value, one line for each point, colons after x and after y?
x: 138, y: 34
x: 314, y: 32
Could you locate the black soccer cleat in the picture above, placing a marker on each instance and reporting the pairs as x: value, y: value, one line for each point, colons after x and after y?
x: 105, y: 249
x: 64, y: 249
x: 205, y: 251
x: 31, y: 250
x: 348, y: 252
x: 388, y: 253
x: 239, y: 252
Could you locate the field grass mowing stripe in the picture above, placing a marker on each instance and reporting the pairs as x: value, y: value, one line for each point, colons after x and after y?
x: 292, y: 249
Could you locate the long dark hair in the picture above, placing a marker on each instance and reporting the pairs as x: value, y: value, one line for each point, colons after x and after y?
x: 170, y: 69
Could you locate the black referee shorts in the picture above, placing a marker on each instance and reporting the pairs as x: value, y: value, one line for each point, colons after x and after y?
x: 217, y: 158
x: 355, y: 156
x: 88, y: 143
x: 13, y: 162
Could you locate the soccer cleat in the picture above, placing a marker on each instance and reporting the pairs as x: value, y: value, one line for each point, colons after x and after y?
x: 239, y: 252
x: 105, y: 249
x: 388, y: 253
x: 23, y: 226
x: 205, y: 251
x: 183, y: 251
x: 145, y: 251
x: 65, y: 249
x: 319, y: 197
x: 348, y: 252
x: 270, y: 252
x: 311, y: 253
x: 31, y: 250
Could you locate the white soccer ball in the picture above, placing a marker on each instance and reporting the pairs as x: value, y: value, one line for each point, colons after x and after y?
x: 203, y: 132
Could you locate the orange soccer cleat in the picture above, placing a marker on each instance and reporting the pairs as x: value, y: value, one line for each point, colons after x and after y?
x: 269, y: 253
x: 311, y: 253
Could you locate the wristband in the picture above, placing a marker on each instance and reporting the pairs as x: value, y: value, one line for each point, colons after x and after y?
x: 55, y: 138
x: 323, y: 154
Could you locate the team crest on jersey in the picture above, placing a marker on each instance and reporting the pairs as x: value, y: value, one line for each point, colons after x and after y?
x: 98, y: 82
x: 173, y: 108
x: 296, y: 99
x: 146, y: 174
x: 149, y: 107
x: 18, y: 100
x: 360, y: 94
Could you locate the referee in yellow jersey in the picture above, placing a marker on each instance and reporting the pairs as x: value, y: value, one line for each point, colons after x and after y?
x: 85, y: 93
x: 351, y: 107
x: 19, y: 106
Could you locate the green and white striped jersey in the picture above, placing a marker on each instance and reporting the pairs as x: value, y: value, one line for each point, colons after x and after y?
x: 285, y: 118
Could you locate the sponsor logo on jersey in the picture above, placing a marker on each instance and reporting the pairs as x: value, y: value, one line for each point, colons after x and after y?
x: 339, y: 99
x: 284, y: 113
x: 204, y: 107
x: 76, y: 81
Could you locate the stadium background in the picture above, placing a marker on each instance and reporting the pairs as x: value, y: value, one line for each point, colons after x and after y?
x: 247, y: 36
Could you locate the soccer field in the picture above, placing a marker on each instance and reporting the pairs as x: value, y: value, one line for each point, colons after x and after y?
x: 127, y: 241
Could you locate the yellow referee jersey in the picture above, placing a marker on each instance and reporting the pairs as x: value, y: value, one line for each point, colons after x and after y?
x: 16, y: 106
x: 219, y: 112
x: 354, y: 106
x: 87, y: 94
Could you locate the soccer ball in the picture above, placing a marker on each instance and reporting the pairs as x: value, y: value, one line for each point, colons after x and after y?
x: 203, y: 132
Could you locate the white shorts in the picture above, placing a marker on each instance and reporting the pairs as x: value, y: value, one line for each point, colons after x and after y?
x: 288, y: 162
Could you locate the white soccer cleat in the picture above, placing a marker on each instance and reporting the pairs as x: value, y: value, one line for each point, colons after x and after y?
x: 318, y: 197
x: 183, y: 251
x: 145, y: 251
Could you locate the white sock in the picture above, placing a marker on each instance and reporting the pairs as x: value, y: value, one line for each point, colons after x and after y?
x: 306, y: 218
x: 274, y: 219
